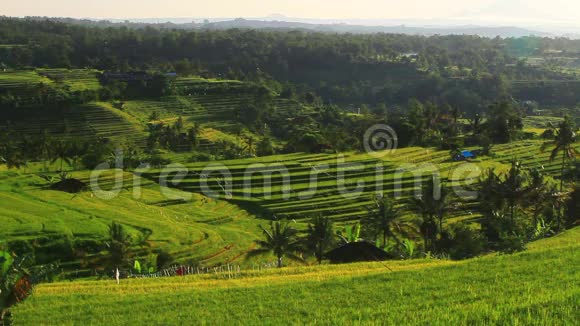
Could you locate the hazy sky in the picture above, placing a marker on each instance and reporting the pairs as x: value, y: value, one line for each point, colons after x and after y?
x: 516, y: 11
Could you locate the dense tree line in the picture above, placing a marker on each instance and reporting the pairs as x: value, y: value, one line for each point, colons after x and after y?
x: 341, y: 68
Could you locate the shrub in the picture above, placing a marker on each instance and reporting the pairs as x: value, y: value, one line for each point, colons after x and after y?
x: 54, y: 248
x: 573, y: 208
x: 465, y: 242
x: 158, y: 161
x: 511, y: 243
x: 200, y: 157
x: 541, y: 230
x: 504, y: 234
x: 21, y: 247
x: 164, y: 259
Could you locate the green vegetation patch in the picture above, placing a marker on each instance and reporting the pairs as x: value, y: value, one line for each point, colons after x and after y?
x: 529, y: 288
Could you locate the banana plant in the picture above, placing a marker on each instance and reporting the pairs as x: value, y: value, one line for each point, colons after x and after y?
x: 408, y: 248
x: 17, y: 280
x: 15, y: 284
x: 5, y: 262
x: 350, y: 233
x: 137, y: 267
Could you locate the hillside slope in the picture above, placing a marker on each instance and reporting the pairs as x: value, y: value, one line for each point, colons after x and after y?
x: 62, y: 226
x: 539, y: 286
x: 343, y: 186
x: 210, y: 104
x: 195, y: 229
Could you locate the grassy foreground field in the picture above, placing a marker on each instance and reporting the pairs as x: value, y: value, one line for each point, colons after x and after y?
x: 539, y: 286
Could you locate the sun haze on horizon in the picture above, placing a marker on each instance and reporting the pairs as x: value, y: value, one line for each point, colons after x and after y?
x: 504, y: 11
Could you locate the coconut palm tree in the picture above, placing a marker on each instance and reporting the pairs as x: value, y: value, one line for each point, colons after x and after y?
x: 489, y: 192
x: 281, y: 240
x: 248, y: 146
x: 61, y: 150
x: 383, y: 219
x: 539, y: 193
x: 564, y: 143
x: 514, y: 188
x: 11, y: 151
x: 432, y: 204
x: 320, y: 236
x: 119, y: 245
x: 44, y: 149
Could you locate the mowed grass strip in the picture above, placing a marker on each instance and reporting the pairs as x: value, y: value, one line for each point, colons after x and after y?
x: 537, y: 287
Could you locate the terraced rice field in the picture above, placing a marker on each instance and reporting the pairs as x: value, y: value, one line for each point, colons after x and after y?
x: 343, y: 187
x: 75, y: 80
x: 211, y: 104
x: 541, y: 121
x: 28, y: 84
x: 210, y: 111
x: 20, y: 83
x: 191, y: 227
x: 11, y: 80
x: 82, y: 121
x: 214, y: 110
x: 221, y: 225
x: 283, y: 187
x: 531, y: 155
x: 204, y: 83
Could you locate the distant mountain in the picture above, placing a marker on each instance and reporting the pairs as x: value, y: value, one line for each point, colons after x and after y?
x: 314, y: 25
x: 483, y: 31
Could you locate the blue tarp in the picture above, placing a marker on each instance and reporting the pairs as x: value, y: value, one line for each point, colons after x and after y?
x: 467, y: 154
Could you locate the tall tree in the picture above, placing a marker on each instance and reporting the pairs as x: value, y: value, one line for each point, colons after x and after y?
x: 383, y: 219
x: 539, y: 193
x: 281, y: 239
x: 563, y: 143
x: 320, y: 236
x: 61, y: 151
x: 119, y: 245
x: 432, y: 204
x: 514, y: 187
x: 504, y: 122
x: 11, y: 152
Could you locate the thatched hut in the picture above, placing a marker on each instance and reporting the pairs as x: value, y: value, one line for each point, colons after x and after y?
x: 356, y: 252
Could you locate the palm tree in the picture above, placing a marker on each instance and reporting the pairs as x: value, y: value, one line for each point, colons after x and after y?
x: 563, y: 142
x: 490, y: 198
x: 45, y: 149
x: 514, y: 188
x: 383, y: 219
x: 558, y: 201
x: 119, y: 245
x: 11, y: 150
x: 417, y: 121
x: 281, y: 240
x: 539, y: 192
x: 249, y: 147
x: 77, y: 150
x: 432, y: 205
x: 320, y: 236
x: 61, y: 151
